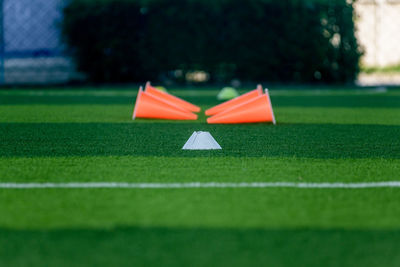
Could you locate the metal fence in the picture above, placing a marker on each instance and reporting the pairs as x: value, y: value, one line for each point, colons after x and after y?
x: 32, y: 52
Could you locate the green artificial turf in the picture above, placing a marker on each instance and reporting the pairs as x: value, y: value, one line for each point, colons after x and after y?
x: 163, y: 246
x: 87, y: 135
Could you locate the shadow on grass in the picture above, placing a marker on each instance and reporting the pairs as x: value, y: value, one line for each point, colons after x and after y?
x: 278, y: 101
x: 199, y: 247
x: 167, y: 139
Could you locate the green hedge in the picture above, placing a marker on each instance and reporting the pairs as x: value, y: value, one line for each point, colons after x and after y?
x: 282, y: 41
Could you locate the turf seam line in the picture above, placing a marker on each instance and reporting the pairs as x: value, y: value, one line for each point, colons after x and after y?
x: 198, y: 185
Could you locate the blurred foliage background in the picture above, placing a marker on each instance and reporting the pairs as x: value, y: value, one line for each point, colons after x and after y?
x: 212, y: 40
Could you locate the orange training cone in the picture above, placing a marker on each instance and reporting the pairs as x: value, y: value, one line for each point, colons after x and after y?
x: 152, y: 107
x: 173, y: 99
x: 258, y: 109
x: 236, y: 101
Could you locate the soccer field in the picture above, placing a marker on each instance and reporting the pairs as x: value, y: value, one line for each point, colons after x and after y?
x: 86, y: 135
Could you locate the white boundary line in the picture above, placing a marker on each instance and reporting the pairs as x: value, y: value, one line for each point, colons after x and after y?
x: 197, y: 185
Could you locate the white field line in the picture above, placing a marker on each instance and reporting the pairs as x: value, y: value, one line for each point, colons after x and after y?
x: 197, y: 185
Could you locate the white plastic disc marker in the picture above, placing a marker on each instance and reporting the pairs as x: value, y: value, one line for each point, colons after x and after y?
x: 201, y: 141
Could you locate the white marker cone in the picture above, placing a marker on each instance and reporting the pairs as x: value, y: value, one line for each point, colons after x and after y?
x: 201, y: 141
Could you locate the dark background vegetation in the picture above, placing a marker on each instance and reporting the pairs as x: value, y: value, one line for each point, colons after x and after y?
x: 252, y: 40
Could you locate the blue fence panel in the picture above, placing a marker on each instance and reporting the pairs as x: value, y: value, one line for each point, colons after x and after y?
x: 31, y: 49
x: 1, y: 44
x: 31, y: 27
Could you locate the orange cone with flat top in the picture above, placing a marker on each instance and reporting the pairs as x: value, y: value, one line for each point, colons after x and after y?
x: 258, y: 109
x: 236, y: 101
x: 170, y: 98
x: 152, y: 107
